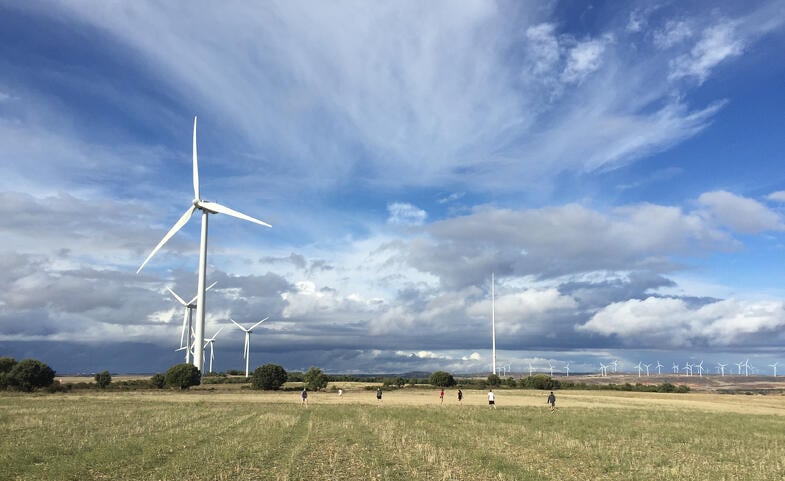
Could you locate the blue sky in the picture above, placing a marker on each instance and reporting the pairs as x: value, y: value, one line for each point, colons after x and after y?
x: 617, y: 166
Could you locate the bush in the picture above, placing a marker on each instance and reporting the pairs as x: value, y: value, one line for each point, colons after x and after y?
x: 540, y: 381
x: 510, y: 382
x: 103, y: 379
x: 158, y: 381
x: 315, y: 379
x: 183, y: 376
x: 6, y: 364
x: 442, y: 379
x: 269, y: 377
x: 494, y: 380
x: 30, y: 374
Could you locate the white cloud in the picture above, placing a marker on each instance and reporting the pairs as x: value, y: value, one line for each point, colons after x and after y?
x: 778, y: 196
x: 741, y: 214
x: 717, y: 44
x: 475, y: 356
x: 583, y: 59
x: 406, y: 214
x: 673, y: 323
x: 674, y: 32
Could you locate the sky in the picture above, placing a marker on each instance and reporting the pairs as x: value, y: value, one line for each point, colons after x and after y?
x: 618, y: 166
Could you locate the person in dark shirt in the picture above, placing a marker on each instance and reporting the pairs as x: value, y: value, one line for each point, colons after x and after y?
x: 552, y: 401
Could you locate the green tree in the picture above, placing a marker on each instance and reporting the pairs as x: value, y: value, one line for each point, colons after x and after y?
x: 183, y: 376
x: 315, y: 379
x: 510, y: 382
x: 442, y: 379
x: 494, y: 380
x: 540, y: 381
x: 269, y: 377
x: 6, y: 364
x: 158, y: 381
x: 29, y: 374
x: 103, y: 379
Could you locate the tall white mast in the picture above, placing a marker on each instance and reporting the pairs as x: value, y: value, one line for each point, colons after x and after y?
x: 493, y: 321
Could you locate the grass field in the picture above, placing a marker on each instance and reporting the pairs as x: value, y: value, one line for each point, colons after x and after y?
x: 249, y: 435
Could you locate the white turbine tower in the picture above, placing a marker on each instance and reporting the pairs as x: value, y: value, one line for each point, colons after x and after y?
x: 687, y: 369
x: 640, y: 368
x: 531, y: 369
x: 603, y: 370
x: 747, y: 367
x: 493, y: 323
x: 567, y: 370
x: 647, y: 368
x: 550, y: 365
x: 247, y: 348
x: 675, y: 367
x: 187, y: 321
x: 721, y: 366
x: 207, y: 208
x: 615, y: 365
x: 774, y: 366
x: 211, y: 341
x: 659, y: 368
x: 739, y: 364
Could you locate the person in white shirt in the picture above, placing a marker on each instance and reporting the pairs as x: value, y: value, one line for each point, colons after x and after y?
x: 491, y: 399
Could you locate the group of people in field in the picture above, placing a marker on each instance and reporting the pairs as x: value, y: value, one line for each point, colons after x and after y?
x: 491, y: 397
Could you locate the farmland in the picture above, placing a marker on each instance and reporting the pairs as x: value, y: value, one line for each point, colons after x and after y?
x: 245, y: 435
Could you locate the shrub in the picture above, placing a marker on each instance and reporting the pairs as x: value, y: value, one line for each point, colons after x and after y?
x: 315, y: 379
x: 510, y: 382
x: 442, y: 379
x: 183, y: 376
x: 540, y: 381
x: 6, y: 364
x: 269, y: 377
x: 158, y: 381
x: 30, y: 374
x: 103, y: 379
x: 494, y: 380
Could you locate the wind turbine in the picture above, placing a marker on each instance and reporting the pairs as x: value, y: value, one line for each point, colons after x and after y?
x: 774, y: 366
x: 640, y: 368
x: 211, y: 341
x: 747, y: 367
x: 687, y: 369
x: 675, y: 367
x: 187, y: 321
x: 615, y: 364
x: 739, y: 364
x: 247, y: 348
x: 700, y: 368
x: 493, y: 323
x: 207, y: 208
x: 647, y: 368
x: 531, y: 369
x: 722, y: 368
x: 603, y: 370
x: 659, y: 368
x: 567, y: 370
x: 550, y: 364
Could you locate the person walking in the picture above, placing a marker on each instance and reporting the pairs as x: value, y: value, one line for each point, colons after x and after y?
x: 491, y: 399
x: 304, y: 398
x: 460, y: 397
x: 552, y: 401
x: 340, y: 392
x: 379, y: 394
x: 441, y: 397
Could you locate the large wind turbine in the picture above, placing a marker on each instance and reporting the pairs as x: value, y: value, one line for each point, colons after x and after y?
x: 207, y: 208
x: 493, y: 323
x: 247, y: 348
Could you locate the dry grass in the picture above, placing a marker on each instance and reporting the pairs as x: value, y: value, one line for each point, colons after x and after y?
x: 249, y: 435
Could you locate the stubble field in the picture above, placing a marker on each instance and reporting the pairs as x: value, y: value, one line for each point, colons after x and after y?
x: 246, y: 435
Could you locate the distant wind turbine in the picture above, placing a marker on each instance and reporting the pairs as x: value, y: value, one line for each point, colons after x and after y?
x: 675, y: 367
x: 531, y: 369
x: 206, y: 208
x: 700, y: 368
x: 550, y: 364
x: 247, y: 348
x: 615, y: 364
x: 774, y: 366
x: 739, y: 364
x: 647, y: 368
x: 567, y: 370
x: 187, y: 321
x: 747, y: 367
x: 211, y: 341
x: 603, y: 369
x: 659, y: 368
x: 640, y: 368
x: 721, y: 367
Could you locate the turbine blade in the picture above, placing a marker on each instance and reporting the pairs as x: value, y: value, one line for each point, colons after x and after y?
x: 176, y: 227
x: 216, y: 333
x: 254, y: 326
x: 238, y: 325
x: 184, y: 329
x: 179, y: 299
x: 207, y: 289
x: 221, y: 209
x: 196, y: 166
x: 247, y: 349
